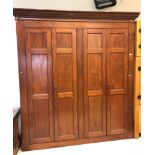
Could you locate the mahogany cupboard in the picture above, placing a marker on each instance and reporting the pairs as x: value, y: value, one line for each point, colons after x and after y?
x: 76, y: 76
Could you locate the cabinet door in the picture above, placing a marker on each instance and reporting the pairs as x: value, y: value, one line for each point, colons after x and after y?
x: 39, y: 79
x: 117, y: 79
x: 65, y: 83
x: 95, y: 82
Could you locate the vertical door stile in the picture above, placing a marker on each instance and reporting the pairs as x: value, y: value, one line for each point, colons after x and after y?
x: 85, y: 82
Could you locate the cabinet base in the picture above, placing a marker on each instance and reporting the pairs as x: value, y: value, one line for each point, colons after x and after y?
x: 75, y: 142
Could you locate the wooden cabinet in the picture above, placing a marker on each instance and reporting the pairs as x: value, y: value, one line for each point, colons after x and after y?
x: 76, y: 77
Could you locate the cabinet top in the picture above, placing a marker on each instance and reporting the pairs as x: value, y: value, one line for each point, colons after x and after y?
x: 73, y: 15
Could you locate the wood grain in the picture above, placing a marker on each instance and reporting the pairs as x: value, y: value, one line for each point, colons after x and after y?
x: 23, y: 84
x: 76, y: 79
x: 117, y: 78
x: 80, y: 82
x: 131, y: 60
x: 65, y: 84
x: 95, y: 82
x: 39, y: 85
x: 57, y: 14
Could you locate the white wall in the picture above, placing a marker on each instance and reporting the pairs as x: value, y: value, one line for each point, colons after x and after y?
x: 84, y: 5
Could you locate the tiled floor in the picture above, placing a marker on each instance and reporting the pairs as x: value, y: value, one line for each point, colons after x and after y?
x: 121, y: 147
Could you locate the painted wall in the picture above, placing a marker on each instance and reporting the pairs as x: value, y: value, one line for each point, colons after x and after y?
x: 83, y: 5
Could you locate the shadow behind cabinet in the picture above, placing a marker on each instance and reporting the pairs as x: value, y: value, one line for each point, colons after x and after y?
x: 76, y: 78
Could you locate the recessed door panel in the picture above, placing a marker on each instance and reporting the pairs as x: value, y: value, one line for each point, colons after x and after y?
x: 65, y: 84
x: 41, y: 118
x: 117, y: 71
x: 65, y: 72
x: 95, y: 113
x: 65, y: 118
x: 94, y: 82
x: 117, y: 118
x: 117, y: 79
x: 94, y: 71
x: 39, y: 79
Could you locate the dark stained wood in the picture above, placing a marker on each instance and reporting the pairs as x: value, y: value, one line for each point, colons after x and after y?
x: 77, y: 142
x: 23, y: 84
x: 57, y: 14
x: 65, y: 83
x: 39, y: 75
x: 80, y: 82
x: 117, y: 79
x: 76, y: 77
x: 131, y: 60
x: 76, y: 24
x: 95, y: 82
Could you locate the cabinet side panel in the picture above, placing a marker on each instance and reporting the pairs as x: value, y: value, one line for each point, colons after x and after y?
x: 131, y: 43
x: 23, y: 83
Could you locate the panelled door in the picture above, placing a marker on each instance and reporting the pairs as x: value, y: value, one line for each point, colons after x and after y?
x: 95, y: 82
x: 117, y: 81
x: 52, y: 83
x: 39, y: 79
x: 65, y: 83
